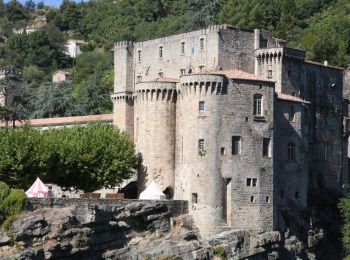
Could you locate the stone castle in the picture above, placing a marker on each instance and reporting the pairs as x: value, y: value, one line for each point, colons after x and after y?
x: 232, y: 121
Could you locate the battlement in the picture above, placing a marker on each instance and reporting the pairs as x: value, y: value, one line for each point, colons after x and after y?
x: 125, y: 95
x: 263, y: 54
x: 155, y: 86
x: 123, y: 44
x: 202, y: 82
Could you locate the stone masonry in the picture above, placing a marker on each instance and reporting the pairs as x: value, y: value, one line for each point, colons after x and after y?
x: 233, y: 122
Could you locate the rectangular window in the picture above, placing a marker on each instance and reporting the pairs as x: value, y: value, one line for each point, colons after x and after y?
x: 200, y: 145
x: 282, y: 194
x: 194, y: 198
x: 182, y: 48
x: 139, y: 56
x: 291, y: 151
x: 296, y: 195
x: 161, y: 52
x: 255, y: 182
x: 182, y: 72
x: 291, y: 113
x: 252, y: 199
x: 269, y: 73
x: 258, y: 105
x: 266, y: 147
x: 267, y: 199
x: 325, y: 151
x: 201, y: 106
x: 139, y: 79
x: 249, y: 182
x: 252, y: 182
x: 236, y: 145
x: 201, y: 44
x: 222, y: 151
x: 160, y: 74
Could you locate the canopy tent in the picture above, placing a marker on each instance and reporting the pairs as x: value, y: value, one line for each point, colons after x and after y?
x: 38, y: 190
x: 152, y: 192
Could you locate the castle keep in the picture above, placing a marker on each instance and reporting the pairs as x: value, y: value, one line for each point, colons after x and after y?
x: 232, y: 121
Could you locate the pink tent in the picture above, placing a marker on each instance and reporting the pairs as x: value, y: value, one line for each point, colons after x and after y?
x: 38, y: 190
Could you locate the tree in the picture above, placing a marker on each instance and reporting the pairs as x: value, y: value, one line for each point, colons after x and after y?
x: 53, y: 100
x: 32, y: 74
x: 30, y: 5
x: 94, y: 97
x: 87, y: 158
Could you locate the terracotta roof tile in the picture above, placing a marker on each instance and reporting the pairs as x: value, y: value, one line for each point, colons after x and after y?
x: 237, y: 74
x: 291, y: 98
x: 70, y: 120
x: 162, y: 80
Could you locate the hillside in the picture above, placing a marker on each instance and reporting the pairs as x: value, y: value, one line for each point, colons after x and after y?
x: 321, y: 27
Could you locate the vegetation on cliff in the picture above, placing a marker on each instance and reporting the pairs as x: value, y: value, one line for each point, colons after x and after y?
x: 87, y: 158
x: 11, y: 203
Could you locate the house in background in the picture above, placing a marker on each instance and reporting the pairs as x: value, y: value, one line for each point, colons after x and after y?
x: 73, y: 47
x: 38, y: 23
x: 61, y: 75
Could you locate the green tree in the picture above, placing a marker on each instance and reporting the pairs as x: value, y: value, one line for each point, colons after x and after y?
x: 30, y: 5
x: 32, y: 74
x: 88, y: 158
x: 53, y: 100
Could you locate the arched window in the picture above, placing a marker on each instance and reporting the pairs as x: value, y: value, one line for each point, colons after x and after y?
x: 258, y: 110
x: 291, y: 150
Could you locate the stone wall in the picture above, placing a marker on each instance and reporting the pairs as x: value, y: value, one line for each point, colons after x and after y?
x: 175, y: 207
x: 215, y: 183
x: 154, y: 106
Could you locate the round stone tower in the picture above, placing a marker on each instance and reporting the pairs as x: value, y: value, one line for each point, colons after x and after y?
x: 154, y: 123
x: 198, y: 175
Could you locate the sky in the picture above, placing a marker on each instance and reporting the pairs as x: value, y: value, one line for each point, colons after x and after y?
x: 47, y: 2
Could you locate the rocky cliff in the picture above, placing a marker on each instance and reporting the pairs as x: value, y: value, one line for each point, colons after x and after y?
x: 125, y: 229
x: 135, y: 229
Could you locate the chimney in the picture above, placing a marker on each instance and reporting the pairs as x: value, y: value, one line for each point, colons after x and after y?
x: 256, y: 39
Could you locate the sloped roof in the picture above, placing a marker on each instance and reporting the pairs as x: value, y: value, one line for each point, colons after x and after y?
x: 69, y: 120
x: 65, y: 72
x: 291, y: 98
x: 162, y: 80
x: 237, y: 74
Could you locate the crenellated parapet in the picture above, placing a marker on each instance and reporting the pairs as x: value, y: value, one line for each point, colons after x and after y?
x: 268, y: 55
x: 122, y: 96
x: 156, y: 91
x: 123, y: 44
x: 191, y: 84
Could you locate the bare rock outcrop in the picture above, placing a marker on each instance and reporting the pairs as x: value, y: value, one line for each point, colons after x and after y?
x: 125, y: 230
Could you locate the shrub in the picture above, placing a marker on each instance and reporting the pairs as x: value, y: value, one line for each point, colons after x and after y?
x: 11, y: 206
x: 220, y: 252
x: 4, y: 191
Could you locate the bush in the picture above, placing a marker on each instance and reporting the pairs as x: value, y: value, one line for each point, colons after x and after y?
x: 12, y: 205
x: 4, y: 191
x: 220, y: 252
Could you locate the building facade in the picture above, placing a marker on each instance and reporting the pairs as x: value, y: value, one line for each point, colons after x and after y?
x: 232, y: 121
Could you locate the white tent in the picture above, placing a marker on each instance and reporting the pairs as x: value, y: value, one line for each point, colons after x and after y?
x: 38, y: 190
x: 152, y: 192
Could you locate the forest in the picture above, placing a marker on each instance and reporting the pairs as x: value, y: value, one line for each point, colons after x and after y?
x: 321, y: 27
